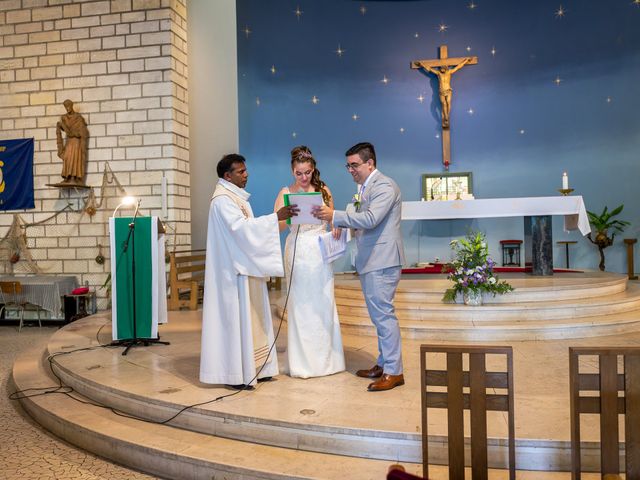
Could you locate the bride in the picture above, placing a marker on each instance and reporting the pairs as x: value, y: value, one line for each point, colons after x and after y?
x: 314, y: 344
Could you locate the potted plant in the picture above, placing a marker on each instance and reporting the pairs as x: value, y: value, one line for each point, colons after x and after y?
x: 471, y: 271
x: 602, y: 224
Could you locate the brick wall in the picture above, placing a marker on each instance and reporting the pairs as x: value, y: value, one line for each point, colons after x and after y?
x: 124, y: 65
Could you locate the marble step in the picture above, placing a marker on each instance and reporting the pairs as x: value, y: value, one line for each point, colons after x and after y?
x: 627, y: 301
x: 487, y: 330
x: 533, y: 289
x: 171, y: 452
x: 346, y: 428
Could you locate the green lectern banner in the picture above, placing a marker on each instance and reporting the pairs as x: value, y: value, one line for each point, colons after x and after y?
x: 150, y: 283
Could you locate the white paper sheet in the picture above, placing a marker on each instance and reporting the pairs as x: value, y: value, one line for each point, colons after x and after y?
x: 305, y: 201
x: 332, y: 248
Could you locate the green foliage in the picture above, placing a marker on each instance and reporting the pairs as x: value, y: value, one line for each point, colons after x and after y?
x: 605, y: 221
x: 472, y: 268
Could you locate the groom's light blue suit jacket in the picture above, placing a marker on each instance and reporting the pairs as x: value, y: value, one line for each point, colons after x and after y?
x: 377, y: 221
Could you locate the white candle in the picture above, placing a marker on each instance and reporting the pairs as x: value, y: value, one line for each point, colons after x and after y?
x: 565, y: 181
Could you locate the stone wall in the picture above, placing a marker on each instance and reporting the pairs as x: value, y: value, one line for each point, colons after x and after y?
x: 124, y: 65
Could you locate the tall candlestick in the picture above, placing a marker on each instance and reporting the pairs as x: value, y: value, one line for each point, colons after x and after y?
x: 565, y: 181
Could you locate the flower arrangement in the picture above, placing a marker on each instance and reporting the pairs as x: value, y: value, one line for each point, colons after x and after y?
x: 471, y: 271
x: 356, y: 201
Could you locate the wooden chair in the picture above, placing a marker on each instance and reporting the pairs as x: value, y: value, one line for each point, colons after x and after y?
x: 477, y: 380
x: 9, y: 292
x: 607, y: 383
x: 186, y: 278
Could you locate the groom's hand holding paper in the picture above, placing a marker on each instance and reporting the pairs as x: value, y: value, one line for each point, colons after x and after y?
x: 305, y: 201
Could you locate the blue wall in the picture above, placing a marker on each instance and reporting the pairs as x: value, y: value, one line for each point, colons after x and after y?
x: 587, y: 124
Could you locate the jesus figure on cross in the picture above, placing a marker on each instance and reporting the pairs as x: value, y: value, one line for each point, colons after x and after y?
x: 444, y: 73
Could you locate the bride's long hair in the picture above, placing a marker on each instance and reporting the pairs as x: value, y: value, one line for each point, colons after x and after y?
x: 302, y: 154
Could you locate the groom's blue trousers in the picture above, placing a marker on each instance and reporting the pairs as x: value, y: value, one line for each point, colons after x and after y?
x: 379, y: 289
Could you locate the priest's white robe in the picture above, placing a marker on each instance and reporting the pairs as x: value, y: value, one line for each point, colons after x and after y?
x: 237, y: 330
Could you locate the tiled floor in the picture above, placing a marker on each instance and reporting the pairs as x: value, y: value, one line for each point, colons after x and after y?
x: 26, y: 450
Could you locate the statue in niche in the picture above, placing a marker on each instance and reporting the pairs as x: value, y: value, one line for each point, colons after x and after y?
x: 74, y: 151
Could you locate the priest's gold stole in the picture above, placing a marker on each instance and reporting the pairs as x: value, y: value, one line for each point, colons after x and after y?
x: 257, y: 310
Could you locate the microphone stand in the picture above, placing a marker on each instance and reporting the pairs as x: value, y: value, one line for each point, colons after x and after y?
x: 135, y: 341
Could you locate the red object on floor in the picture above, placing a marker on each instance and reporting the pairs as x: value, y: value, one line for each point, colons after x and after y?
x: 437, y: 268
x: 80, y: 291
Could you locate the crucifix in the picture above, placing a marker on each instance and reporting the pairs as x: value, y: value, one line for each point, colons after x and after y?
x: 443, y: 68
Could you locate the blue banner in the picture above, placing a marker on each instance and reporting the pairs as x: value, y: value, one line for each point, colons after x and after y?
x: 16, y: 174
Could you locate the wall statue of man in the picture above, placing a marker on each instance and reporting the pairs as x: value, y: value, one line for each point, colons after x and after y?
x: 74, y: 152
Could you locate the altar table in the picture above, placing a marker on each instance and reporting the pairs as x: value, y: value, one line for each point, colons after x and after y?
x: 537, y: 212
x: 46, y: 291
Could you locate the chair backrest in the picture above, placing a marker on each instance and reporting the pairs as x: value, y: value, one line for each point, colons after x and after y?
x: 9, y: 291
x: 607, y: 383
x: 477, y: 380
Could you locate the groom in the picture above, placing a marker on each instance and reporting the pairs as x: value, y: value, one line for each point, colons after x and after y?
x: 379, y: 259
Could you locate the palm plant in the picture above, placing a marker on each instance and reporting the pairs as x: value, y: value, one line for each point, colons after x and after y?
x: 602, y: 224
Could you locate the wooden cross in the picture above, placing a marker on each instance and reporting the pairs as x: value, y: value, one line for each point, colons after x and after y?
x: 444, y: 67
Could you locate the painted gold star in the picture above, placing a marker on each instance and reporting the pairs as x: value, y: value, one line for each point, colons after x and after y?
x: 340, y: 51
x: 472, y: 6
x: 363, y: 9
x: 246, y: 31
x: 298, y: 13
x: 442, y: 28
x: 560, y: 12
x: 315, y: 100
x: 421, y: 98
x: 558, y: 80
x: 468, y: 48
x: 355, y: 117
x: 385, y: 80
x: 273, y: 69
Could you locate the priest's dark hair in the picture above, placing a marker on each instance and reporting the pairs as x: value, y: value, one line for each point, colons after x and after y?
x: 302, y: 154
x: 364, y: 150
x: 226, y: 163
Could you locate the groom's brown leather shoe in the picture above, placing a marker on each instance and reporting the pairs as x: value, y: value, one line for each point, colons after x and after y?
x: 387, y: 382
x: 373, y: 372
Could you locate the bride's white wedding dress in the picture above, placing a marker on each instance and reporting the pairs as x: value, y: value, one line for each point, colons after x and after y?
x: 314, y: 340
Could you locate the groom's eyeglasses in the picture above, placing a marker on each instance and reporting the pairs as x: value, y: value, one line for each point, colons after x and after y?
x: 353, y: 166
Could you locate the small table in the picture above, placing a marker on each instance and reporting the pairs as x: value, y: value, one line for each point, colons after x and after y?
x: 630, y: 269
x: 45, y: 291
x: 566, y: 244
x: 510, y: 249
x: 79, y: 306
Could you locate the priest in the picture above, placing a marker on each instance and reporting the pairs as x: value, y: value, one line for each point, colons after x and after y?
x: 242, y: 251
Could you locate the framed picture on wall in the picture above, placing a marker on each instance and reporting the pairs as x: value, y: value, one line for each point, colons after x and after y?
x: 447, y: 186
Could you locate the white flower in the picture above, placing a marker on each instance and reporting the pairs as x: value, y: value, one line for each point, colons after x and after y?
x: 492, y: 280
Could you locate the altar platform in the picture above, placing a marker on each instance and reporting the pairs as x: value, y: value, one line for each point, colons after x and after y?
x: 328, y: 427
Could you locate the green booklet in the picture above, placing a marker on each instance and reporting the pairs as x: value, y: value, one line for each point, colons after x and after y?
x: 305, y: 202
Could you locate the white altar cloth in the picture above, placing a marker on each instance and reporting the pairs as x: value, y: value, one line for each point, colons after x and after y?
x: 572, y: 207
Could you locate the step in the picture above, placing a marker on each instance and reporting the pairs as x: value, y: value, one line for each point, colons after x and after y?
x: 171, y: 452
x: 626, y: 301
x: 430, y: 288
x: 583, y: 327
x: 156, y: 382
